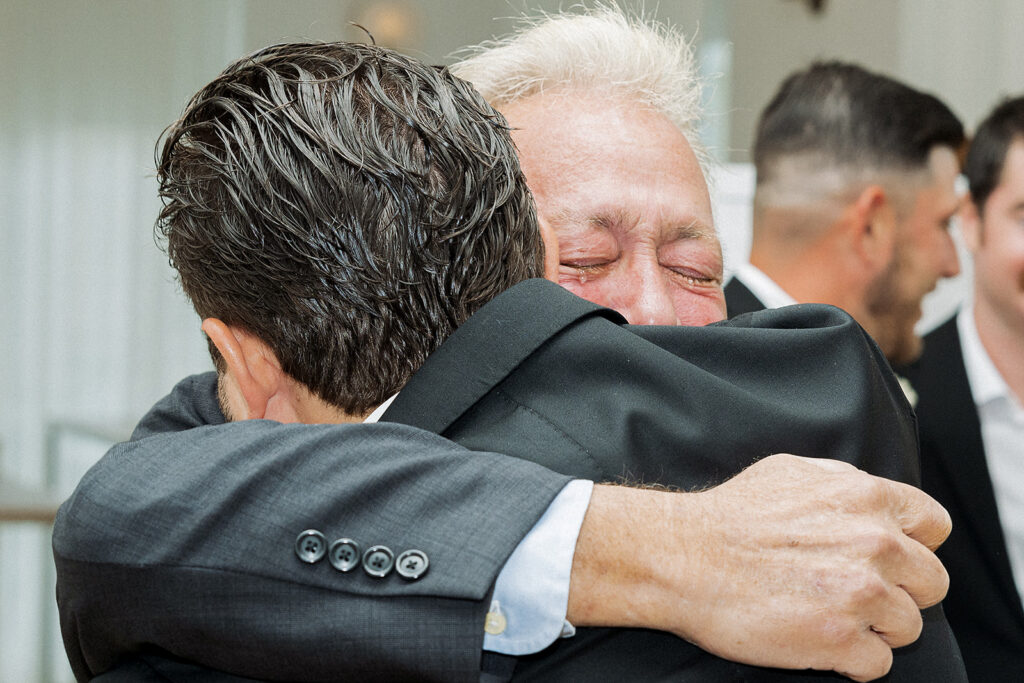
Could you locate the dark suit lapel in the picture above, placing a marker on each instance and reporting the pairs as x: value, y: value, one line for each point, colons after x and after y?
x: 485, y: 349
x: 949, y: 421
x: 739, y: 299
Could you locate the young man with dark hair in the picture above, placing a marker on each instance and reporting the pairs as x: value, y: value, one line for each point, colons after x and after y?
x: 970, y: 383
x: 854, y: 195
x: 294, y: 231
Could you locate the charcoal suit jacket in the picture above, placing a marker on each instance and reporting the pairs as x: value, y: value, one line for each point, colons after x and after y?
x: 547, y: 377
x: 578, y: 392
x: 983, y: 604
x: 176, y: 554
x: 739, y: 299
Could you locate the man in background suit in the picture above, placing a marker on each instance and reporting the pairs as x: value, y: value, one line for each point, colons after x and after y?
x: 242, y: 389
x: 854, y: 195
x: 970, y: 384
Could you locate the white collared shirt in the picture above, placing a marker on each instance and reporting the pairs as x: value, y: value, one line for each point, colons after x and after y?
x: 531, y: 593
x: 1002, y: 433
x: 763, y: 287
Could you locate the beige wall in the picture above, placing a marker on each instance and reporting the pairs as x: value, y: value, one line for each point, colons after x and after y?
x: 771, y: 39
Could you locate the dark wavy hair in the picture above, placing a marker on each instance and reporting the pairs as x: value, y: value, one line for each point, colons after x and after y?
x: 349, y: 206
x: 987, y: 154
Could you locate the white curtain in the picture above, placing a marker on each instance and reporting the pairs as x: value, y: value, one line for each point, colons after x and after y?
x: 94, y: 327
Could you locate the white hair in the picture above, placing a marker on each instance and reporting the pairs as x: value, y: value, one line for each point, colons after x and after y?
x: 601, y: 50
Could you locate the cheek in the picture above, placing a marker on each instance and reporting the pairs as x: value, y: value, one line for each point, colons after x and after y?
x: 695, y: 309
x: 1015, y: 255
x: 1002, y: 261
x: 604, y: 290
x: 1010, y: 268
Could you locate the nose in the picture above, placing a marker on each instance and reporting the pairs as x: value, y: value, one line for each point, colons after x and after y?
x: 650, y: 301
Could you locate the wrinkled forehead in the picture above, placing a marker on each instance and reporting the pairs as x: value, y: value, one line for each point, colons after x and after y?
x: 584, y: 153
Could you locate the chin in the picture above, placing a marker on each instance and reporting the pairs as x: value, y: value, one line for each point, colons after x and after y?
x: 908, y: 351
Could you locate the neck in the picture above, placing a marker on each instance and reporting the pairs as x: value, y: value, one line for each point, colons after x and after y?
x: 310, y: 409
x: 1003, y: 339
x: 808, y: 275
x: 805, y: 253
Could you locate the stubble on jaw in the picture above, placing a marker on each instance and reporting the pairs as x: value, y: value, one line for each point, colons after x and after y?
x: 222, y: 400
x: 892, y: 317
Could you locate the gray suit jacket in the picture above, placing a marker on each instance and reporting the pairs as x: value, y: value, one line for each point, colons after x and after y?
x: 179, y: 546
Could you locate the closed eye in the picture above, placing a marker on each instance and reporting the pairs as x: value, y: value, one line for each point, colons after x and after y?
x: 695, y: 277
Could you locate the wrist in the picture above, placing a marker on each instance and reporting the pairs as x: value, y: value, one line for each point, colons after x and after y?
x: 633, y: 566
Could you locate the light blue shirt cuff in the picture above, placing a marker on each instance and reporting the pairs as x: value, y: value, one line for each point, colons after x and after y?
x: 531, y: 595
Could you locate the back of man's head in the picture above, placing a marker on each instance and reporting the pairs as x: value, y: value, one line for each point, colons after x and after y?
x: 987, y: 155
x: 347, y: 205
x: 603, y: 50
x: 833, y: 128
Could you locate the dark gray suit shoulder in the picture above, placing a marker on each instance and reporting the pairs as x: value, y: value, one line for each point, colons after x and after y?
x: 185, y: 541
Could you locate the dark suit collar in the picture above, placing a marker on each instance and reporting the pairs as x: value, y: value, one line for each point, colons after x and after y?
x: 949, y: 423
x: 485, y: 349
x: 739, y: 299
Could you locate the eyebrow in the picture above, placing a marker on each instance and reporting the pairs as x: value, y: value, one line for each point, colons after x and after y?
x: 606, y: 219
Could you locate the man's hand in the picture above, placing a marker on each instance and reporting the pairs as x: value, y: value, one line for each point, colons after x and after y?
x: 794, y: 563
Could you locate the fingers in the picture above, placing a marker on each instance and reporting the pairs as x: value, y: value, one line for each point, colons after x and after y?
x: 920, y: 516
x: 900, y: 622
x: 919, y: 573
x: 848, y: 554
x: 872, y: 658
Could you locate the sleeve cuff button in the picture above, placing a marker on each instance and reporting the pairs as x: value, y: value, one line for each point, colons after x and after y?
x: 310, y: 546
x: 412, y: 564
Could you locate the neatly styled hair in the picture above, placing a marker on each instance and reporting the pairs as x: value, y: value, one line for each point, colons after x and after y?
x: 838, y: 125
x: 602, y: 50
x: 987, y: 154
x: 346, y: 204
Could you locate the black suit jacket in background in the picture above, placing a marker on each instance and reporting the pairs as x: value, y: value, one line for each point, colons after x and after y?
x: 548, y: 377
x: 739, y: 299
x: 983, y: 604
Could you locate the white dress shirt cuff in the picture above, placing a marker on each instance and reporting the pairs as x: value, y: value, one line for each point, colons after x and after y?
x: 531, y: 595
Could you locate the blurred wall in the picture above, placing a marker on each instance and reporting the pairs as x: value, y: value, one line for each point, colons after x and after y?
x: 92, y: 324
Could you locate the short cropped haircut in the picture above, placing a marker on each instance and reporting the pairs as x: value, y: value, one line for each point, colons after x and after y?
x: 601, y: 50
x: 987, y: 154
x: 349, y: 206
x: 845, y: 124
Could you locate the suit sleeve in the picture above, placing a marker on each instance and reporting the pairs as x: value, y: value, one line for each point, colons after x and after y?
x: 183, y: 542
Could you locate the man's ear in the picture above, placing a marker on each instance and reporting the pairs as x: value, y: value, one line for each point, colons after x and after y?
x: 254, y: 375
x: 551, y: 260
x: 873, y: 228
x: 970, y: 223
